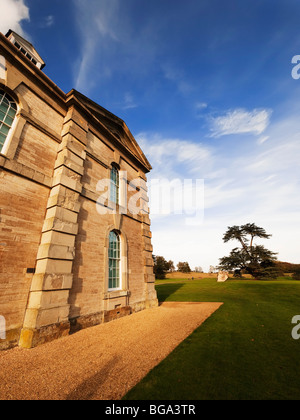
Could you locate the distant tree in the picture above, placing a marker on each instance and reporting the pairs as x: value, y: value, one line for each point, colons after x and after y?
x: 212, y: 269
x: 296, y: 274
x: 198, y: 269
x: 286, y: 267
x: 183, y: 267
x: 254, y: 259
x: 171, y: 266
x: 161, y: 266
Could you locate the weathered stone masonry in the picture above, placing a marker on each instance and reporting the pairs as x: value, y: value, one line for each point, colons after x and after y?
x: 54, y: 243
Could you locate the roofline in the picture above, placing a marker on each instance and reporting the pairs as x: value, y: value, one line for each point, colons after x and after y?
x: 14, y: 32
x: 31, y: 68
x: 43, y: 64
x: 75, y: 96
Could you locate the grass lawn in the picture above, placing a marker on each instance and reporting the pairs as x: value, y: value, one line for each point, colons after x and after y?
x: 243, y: 351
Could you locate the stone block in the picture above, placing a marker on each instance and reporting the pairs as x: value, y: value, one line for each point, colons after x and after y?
x: 67, y: 155
x: 60, y: 226
x: 70, y: 143
x: 52, y: 316
x: 67, y: 202
x: 149, y: 278
x: 55, y: 251
x: 75, y: 130
x: 37, y: 318
x: 51, y: 281
x: 66, y: 181
x: 62, y: 214
x: 47, y: 299
x: 30, y: 318
x: 148, y: 270
x: 147, y: 233
x: 58, y: 238
x: 148, y: 262
x: 53, y: 266
x: 75, y: 116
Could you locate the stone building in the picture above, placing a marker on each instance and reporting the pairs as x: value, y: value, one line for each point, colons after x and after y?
x: 75, y: 240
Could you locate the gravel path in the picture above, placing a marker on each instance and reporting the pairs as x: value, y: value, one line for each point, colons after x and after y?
x: 102, y: 362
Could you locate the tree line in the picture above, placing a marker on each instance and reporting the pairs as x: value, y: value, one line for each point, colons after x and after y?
x: 248, y: 257
x: 162, y: 266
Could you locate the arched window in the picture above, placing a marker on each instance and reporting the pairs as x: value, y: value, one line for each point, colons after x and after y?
x: 8, y: 110
x: 114, y: 185
x: 114, y: 261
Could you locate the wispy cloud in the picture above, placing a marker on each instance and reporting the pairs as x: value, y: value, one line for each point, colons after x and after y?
x: 47, y: 22
x: 178, y: 78
x: 241, y: 121
x: 129, y: 102
x: 175, y: 157
x: 98, y: 26
x: 13, y: 13
x: 201, y: 105
x: 263, y: 139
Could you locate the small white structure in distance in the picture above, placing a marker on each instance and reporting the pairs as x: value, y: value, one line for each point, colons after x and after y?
x: 222, y: 276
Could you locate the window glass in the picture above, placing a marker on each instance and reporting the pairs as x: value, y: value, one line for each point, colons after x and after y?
x: 114, y: 185
x: 8, y: 110
x: 114, y: 259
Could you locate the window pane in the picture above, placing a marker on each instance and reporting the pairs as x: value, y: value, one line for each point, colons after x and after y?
x: 8, y: 109
x: 3, y: 108
x: 114, y: 185
x: 5, y: 101
x: 2, y: 140
x: 4, y: 129
x: 8, y: 120
x: 12, y: 112
x: 114, y: 261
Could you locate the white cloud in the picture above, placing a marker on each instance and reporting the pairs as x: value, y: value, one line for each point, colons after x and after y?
x: 241, y: 121
x: 260, y: 186
x: 174, y: 157
x: 13, y: 12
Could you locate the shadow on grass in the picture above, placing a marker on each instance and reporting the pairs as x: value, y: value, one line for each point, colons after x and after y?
x: 167, y: 290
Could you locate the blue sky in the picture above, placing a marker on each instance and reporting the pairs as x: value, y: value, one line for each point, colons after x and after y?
x: 206, y: 88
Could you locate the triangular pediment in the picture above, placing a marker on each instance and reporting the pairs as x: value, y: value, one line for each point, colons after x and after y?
x: 116, y: 126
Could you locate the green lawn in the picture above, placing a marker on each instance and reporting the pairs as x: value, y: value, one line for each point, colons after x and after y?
x: 243, y: 351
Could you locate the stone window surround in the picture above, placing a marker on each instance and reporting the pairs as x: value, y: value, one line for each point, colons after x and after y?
x: 123, y: 290
x: 116, y: 259
x: 12, y: 141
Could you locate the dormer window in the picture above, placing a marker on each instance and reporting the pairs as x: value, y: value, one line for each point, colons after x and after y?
x: 25, y: 53
x: 26, y: 48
